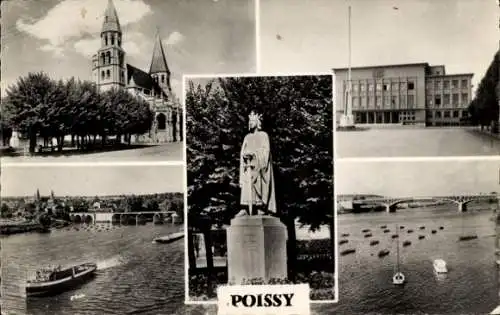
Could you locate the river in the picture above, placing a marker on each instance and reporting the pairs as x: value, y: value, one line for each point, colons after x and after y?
x: 410, y: 142
x: 365, y: 282
x: 134, y: 275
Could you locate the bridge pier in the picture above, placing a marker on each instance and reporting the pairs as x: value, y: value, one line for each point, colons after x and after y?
x: 158, y: 218
x: 462, y: 207
x: 390, y: 208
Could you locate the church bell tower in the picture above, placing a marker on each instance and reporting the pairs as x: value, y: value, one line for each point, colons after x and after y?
x: 159, y: 70
x: 108, y: 69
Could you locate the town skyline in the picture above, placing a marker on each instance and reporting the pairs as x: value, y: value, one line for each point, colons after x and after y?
x: 313, y: 35
x: 33, y: 40
x: 85, y: 181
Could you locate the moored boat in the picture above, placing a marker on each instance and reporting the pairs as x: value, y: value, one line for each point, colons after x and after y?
x: 169, y: 238
x: 440, y: 266
x: 57, y: 280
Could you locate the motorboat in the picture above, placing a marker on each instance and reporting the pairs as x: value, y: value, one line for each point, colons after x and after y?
x: 51, y: 281
x: 440, y: 266
x: 169, y: 238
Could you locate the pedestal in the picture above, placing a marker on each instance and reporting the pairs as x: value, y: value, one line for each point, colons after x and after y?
x: 256, y: 249
x: 346, y: 121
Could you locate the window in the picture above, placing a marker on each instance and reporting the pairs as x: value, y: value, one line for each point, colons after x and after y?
x: 393, y: 102
x: 394, y: 86
x: 370, y: 87
x: 446, y: 114
x: 437, y: 100
x: 106, y: 39
x: 108, y: 57
x: 102, y: 74
x: 370, y: 101
x: 112, y: 39
x: 379, y: 86
x: 103, y: 59
x: 379, y: 101
x: 454, y: 84
x: 437, y: 85
x: 411, y: 86
x: 119, y: 40
x: 402, y: 86
x: 429, y: 100
x: 455, y: 114
x: 354, y: 86
x: 428, y: 85
x: 363, y: 102
x: 438, y: 114
x: 465, y: 98
x: 162, y: 78
x: 402, y: 101
x: 108, y: 74
x: 455, y: 99
x: 411, y: 101
x: 355, y: 101
x: 362, y: 87
x: 386, y: 87
x: 387, y: 101
x: 465, y: 84
x: 465, y: 113
x: 446, y: 100
x: 122, y: 76
x: 446, y: 84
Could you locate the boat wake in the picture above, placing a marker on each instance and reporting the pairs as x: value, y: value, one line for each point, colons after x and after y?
x: 109, y: 263
x: 77, y: 297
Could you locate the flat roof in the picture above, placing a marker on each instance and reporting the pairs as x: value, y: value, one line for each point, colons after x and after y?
x: 451, y: 75
x: 425, y: 64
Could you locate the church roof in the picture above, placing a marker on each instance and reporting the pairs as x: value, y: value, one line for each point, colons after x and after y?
x: 143, y: 80
x: 158, y: 62
x: 111, y: 22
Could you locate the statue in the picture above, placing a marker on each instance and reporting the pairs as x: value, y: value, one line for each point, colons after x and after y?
x: 256, y: 172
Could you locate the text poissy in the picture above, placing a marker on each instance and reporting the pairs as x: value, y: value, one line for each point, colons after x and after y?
x: 262, y: 300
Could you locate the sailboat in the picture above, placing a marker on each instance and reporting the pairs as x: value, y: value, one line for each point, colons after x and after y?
x: 399, y: 277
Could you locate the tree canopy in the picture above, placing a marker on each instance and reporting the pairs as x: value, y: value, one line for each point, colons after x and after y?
x: 38, y: 106
x: 297, y: 115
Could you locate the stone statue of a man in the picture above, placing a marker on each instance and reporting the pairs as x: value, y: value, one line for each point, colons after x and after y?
x: 256, y: 172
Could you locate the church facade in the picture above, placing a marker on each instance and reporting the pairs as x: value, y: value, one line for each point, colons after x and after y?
x: 110, y: 70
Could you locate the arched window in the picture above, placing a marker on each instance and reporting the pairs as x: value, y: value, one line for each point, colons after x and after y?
x: 102, y: 74
x: 108, y: 55
x: 112, y: 39
x: 103, y: 60
x: 119, y: 39
x: 162, y: 78
x: 105, y: 39
x: 108, y: 74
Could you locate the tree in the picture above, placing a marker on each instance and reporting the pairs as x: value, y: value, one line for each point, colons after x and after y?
x: 4, y: 210
x: 297, y: 115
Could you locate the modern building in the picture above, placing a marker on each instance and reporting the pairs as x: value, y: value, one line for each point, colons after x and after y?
x: 414, y: 93
x: 110, y: 70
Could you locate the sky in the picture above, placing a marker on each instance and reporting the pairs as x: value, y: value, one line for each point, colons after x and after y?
x: 59, y: 37
x: 423, y: 178
x: 95, y: 180
x: 312, y: 35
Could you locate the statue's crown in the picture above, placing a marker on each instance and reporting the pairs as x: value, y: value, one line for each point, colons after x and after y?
x: 254, y: 118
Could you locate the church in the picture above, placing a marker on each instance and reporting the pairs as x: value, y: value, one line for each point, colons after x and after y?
x: 110, y: 70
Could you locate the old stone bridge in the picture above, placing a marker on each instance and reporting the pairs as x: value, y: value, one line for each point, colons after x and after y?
x: 95, y: 217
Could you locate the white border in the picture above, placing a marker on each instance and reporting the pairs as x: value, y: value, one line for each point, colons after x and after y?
x: 93, y: 164
x: 257, y: 35
x: 478, y: 158
x: 186, y: 77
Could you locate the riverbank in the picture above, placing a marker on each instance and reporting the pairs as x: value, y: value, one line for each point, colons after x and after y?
x: 10, y: 227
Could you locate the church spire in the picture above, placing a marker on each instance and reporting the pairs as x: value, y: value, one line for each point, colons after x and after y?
x: 158, y: 62
x: 111, y: 22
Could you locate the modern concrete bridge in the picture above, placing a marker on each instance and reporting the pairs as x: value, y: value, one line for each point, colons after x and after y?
x: 95, y: 217
x: 390, y: 203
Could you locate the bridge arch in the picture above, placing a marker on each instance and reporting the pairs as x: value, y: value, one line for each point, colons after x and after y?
x: 76, y: 218
x: 394, y: 203
x: 88, y: 219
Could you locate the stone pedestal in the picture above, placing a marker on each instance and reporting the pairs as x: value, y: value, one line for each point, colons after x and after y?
x: 346, y: 121
x: 256, y: 248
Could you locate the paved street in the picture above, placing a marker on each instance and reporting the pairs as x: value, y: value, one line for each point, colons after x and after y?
x: 163, y: 152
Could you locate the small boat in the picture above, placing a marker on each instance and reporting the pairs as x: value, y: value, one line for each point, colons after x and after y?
x: 383, y: 227
x: 399, y: 277
x: 467, y: 237
x: 441, y: 227
x: 169, y: 238
x: 345, y: 234
x: 421, y: 237
x: 395, y: 236
x: 422, y: 227
x: 383, y: 253
x: 387, y: 231
x: 440, y: 266
x: 373, y: 243
x: 402, y: 227
x: 343, y: 242
x: 406, y: 243
x: 365, y: 230
x: 433, y: 231
x: 368, y: 235
x: 410, y: 231
x: 56, y: 280
x: 347, y: 252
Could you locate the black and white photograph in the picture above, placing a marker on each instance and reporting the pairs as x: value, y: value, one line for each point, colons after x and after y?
x: 101, y: 80
x: 260, y: 183
x: 418, y: 237
x: 92, y: 239
x: 412, y: 78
